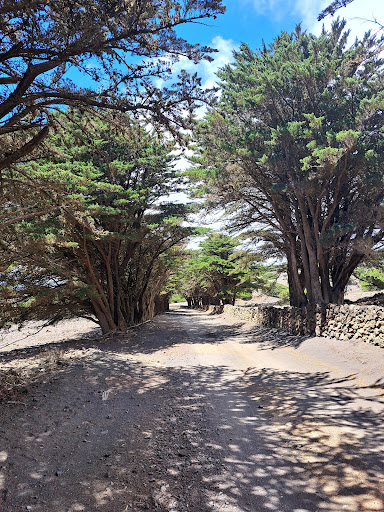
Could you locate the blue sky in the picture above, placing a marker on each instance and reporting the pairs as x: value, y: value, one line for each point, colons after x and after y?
x: 251, y: 21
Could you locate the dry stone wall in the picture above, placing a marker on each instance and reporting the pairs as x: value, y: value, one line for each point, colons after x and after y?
x: 365, y: 323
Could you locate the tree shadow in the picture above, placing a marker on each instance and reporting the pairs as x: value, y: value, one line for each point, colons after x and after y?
x: 269, y: 339
x: 82, y: 339
x: 272, y: 339
x: 202, y: 328
x: 118, y: 434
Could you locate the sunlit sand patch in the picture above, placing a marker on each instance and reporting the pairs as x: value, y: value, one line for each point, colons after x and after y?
x: 331, y: 487
x: 369, y: 503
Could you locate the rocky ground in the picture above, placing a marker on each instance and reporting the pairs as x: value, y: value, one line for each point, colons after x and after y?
x: 191, y: 412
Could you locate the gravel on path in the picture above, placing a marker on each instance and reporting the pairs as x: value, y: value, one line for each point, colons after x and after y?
x: 192, y: 412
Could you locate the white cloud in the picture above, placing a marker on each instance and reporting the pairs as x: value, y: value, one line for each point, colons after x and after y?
x: 207, y: 70
x: 358, y: 13
x: 223, y: 56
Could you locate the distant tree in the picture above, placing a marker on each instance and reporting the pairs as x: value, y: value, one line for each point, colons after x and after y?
x: 223, y: 267
x: 187, y: 281
x: 294, y: 153
x: 216, y: 273
x: 92, y: 54
x: 99, y: 247
x: 371, y: 273
x: 265, y: 279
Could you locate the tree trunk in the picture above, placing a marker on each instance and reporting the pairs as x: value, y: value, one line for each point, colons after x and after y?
x: 308, y: 242
x: 343, y: 276
x: 296, y: 292
x: 337, y: 295
x: 104, y: 319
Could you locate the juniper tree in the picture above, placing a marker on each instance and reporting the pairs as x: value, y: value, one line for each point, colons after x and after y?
x: 224, y: 267
x: 216, y: 273
x: 333, y: 7
x: 295, y: 149
x: 99, y: 248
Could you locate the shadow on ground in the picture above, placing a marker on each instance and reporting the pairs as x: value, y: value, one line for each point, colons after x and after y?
x: 90, y: 337
x: 240, y: 332
x: 117, y: 435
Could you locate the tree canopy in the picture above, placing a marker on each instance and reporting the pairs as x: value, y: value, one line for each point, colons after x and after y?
x: 294, y: 151
x: 333, y: 7
x: 114, y: 49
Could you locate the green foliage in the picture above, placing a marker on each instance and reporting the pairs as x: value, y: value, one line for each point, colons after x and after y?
x: 215, y: 274
x: 281, y: 291
x: 265, y: 279
x: 294, y: 153
x: 105, y: 242
x: 244, y: 294
x: 371, y: 279
x: 176, y: 297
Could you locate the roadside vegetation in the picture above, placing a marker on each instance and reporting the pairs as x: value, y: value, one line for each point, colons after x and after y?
x: 85, y: 161
x: 294, y: 152
x: 371, y: 275
x: 221, y: 272
x: 100, y: 249
x: 291, y: 149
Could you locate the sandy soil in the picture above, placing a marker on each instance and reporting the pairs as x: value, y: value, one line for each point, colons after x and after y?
x: 192, y: 412
x: 33, y: 334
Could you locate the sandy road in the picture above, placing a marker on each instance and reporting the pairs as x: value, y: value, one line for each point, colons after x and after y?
x: 201, y: 413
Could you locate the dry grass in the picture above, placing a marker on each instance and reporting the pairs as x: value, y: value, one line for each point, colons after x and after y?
x: 18, y: 374
x: 28, y: 354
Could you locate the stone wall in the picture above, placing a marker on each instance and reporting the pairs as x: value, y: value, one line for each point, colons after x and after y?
x: 365, y: 323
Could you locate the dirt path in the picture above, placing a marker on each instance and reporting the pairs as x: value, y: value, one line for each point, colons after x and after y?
x: 199, y: 413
